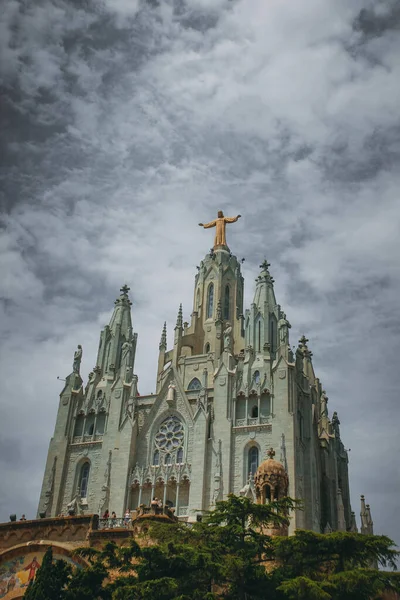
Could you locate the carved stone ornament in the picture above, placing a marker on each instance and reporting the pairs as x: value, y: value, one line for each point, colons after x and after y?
x: 195, y: 367
x: 222, y: 381
x: 65, y: 400
x: 117, y: 393
x: 282, y: 374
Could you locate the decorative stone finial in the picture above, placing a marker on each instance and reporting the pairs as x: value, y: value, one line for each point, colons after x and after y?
x: 271, y: 453
x: 219, y: 311
x: 265, y: 265
x: 303, y: 340
x: 125, y: 289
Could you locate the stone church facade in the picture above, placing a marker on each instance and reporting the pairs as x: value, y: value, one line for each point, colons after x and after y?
x: 229, y: 388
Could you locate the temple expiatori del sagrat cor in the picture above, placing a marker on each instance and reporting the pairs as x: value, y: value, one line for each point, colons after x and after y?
x: 235, y: 409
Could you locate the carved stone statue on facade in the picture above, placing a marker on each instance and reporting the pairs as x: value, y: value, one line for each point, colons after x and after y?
x: 126, y: 355
x: 220, y: 224
x: 324, y: 404
x: 228, y: 337
x: 283, y: 328
x: 77, y: 360
x: 336, y: 424
x: 73, y: 507
x: 171, y: 394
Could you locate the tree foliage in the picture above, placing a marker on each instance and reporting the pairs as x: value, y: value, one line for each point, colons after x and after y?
x: 227, y: 556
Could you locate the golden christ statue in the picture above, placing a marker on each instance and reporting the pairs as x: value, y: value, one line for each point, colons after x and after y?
x: 220, y: 224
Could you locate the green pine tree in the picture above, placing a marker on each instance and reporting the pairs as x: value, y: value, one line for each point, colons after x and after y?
x: 51, y: 579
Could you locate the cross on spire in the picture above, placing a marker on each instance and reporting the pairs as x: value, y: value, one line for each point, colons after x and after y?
x: 265, y: 265
x: 125, y: 289
x: 271, y: 453
x: 303, y: 340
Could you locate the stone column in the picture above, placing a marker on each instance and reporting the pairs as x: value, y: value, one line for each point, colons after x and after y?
x: 259, y: 408
x: 177, y: 498
x: 140, y: 495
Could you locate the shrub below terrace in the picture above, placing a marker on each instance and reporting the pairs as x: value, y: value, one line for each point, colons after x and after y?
x: 227, y: 557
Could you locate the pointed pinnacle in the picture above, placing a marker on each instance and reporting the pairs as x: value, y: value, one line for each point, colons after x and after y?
x: 179, y: 320
x: 219, y: 311
x: 163, y: 340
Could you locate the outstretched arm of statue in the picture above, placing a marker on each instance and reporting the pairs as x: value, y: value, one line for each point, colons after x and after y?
x: 208, y: 225
x: 232, y: 219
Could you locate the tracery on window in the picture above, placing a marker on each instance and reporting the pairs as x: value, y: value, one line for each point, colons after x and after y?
x: 194, y: 384
x: 169, y: 440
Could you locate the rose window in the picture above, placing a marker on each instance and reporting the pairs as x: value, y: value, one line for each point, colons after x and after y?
x: 169, y: 437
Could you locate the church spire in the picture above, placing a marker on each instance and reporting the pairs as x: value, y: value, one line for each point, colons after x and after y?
x: 262, y: 318
x: 117, y: 333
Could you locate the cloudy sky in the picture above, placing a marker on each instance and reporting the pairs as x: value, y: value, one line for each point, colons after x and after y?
x: 125, y: 123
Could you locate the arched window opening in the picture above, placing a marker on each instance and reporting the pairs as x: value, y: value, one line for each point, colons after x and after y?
x: 267, y: 492
x: 78, y: 431
x: 89, y: 425
x: 254, y: 412
x: 99, y: 394
x: 256, y: 377
x: 84, y: 480
x: 194, y: 385
x: 259, y: 336
x: 226, y: 302
x: 207, y: 348
x: 179, y: 456
x: 198, y: 299
x: 272, y: 335
x: 100, y: 423
x: 156, y: 458
x: 210, y: 301
x: 167, y: 459
x: 252, y: 461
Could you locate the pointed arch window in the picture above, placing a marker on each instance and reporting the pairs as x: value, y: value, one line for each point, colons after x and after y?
x: 256, y: 377
x: 79, y: 423
x: 259, y: 336
x: 252, y: 461
x: 194, y: 385
x: 226, y: 302
x: 179, y: 456
x: 207, y: 348
x: 100, y: 423
x: 84, y: 479
x: 168, y: 441
x: 210, y: 301
x: 272, y: 335
x: 254, y: 412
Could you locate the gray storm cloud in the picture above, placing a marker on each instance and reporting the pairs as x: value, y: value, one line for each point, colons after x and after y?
x: 124, y: 124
